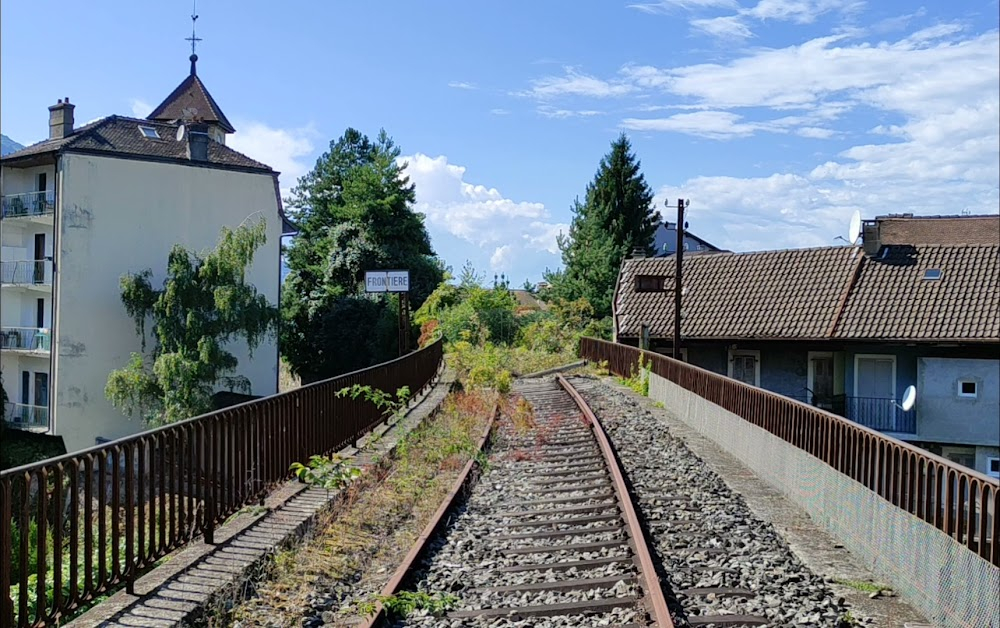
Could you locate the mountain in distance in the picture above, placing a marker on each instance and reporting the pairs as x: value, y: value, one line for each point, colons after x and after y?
x: 8, y: 145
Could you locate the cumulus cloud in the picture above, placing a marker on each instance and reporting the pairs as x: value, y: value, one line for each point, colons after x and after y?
x: 285, y: 150
x: 461, y: 85
x: 738, y: 21
x: 509, y: 232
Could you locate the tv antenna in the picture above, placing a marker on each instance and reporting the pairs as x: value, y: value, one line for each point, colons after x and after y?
x: 909, y: 399
x: 854, y: 228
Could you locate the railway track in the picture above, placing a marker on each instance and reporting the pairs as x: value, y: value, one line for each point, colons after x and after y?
x: 550, y: 536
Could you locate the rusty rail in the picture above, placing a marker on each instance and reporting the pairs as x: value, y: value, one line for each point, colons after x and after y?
x: 655, y: 600
x: 102, y: 516
x: 960, y: 502
x: 420, y: 546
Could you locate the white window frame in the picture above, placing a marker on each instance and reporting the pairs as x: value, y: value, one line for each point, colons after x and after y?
x: 958, y: 389
x: 862, y: 356
x: 155, y: 136
x: 989, y: 461
x: 756, y: 363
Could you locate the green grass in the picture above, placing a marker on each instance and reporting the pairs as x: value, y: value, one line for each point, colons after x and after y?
x: 863, y: 585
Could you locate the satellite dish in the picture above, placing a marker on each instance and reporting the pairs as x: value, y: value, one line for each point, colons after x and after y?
x: 909, y: 398
x: 180, y: 133
x: 854, y: 229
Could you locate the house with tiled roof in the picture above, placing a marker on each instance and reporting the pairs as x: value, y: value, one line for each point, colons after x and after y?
x: 93, y: 202
x: 846, y: 328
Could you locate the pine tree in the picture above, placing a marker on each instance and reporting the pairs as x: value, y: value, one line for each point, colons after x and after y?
x: 616, y: 217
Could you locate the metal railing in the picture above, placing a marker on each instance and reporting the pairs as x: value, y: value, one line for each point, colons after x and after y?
x: 28, y: 204
x: 883, y: 415
x: 25, y: 416
x: 76, y: 527
x: 25, y: 339
x: 960, y: 502
x: 26, y: 272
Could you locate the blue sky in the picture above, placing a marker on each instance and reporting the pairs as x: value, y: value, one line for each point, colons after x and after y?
x: 776, y: 118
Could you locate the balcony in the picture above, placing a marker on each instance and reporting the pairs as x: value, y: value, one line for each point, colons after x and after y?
x: 883, y: 415
x: 25, y: 417
x: 32, y: 340
x: 28, y: 273
x: 28, y: 205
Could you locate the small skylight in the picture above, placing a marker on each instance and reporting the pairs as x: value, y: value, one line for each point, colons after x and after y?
x: 932, y: 274
x: 149, y: 132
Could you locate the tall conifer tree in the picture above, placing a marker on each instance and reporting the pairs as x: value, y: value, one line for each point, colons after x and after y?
x: 616, y: 217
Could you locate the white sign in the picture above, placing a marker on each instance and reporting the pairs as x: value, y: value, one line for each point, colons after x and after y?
x: 387, y: 281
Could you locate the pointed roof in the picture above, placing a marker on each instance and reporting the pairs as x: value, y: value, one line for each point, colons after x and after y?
x: 191, y: 94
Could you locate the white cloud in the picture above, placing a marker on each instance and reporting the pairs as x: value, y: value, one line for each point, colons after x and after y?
x: 502, y: 257
x: 722, y: 125
x: 475, y: 213
x: 738, y: 25
x: 507, y: 232
x: 575, y: 83
x: 461, y: 85
x: 725, y: 27
x: 815, y: 132
x: 665, y: 6
x: 551, y: 112
x: 284, y: 150
x: 499, y: 112
x: 140, y: 108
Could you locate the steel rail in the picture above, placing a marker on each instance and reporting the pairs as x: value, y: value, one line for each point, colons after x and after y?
x: 654, y: 593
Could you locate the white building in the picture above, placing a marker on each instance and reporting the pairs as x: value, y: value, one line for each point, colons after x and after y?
x: 90, y: 204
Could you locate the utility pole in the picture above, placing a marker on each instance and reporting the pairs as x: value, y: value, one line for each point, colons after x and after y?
x: 679, y: 255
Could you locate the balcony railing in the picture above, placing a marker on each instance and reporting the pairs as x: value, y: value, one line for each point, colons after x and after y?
x: 26, y: 273
x: 883, y: 415
x: 28, y: 204
x: 25, y: 339
x: 26, y: 417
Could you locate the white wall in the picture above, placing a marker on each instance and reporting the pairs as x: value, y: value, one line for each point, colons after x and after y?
x: 118, y: 216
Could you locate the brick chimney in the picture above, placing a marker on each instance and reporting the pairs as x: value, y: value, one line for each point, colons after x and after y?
x: 198, y: 142
x: 61, y: 119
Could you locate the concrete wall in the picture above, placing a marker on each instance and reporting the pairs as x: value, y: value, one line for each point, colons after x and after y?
x: 946, y: 581
x: 118, y: 216
x: 944, y: 416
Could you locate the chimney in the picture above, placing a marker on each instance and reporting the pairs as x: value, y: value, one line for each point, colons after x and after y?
x: 61, y: 119
x: 198, y: 142
x: 870, y: 238
x: 638, y: 252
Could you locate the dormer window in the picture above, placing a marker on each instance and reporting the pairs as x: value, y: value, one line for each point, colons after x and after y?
x: 650, y: 283
x: 149, y: 132
x: 932, y: 274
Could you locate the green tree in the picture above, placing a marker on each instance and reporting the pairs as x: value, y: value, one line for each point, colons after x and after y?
x: 204, y: 304
x: 354, y: 212
x: 616, y: 217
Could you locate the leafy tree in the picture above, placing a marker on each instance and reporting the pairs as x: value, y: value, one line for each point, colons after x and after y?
x: 355, y: 213
x: 204, y: 304
x: 616, y: 216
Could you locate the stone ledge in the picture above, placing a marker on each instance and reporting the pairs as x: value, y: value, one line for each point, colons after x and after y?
x: 190, y: 578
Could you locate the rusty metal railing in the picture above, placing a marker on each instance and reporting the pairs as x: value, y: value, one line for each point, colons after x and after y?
x: 958, y: 501
x: 78, y: 526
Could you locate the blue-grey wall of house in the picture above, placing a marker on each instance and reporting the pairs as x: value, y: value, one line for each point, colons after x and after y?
x: 945, y: 416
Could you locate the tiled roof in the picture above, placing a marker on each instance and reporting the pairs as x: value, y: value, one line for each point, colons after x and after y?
x: 191, y: 94
x: 822, y: 293
x: 769, y: 294
x: 121, y: 136
x: 919, y: 230
x: 892, y: 300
